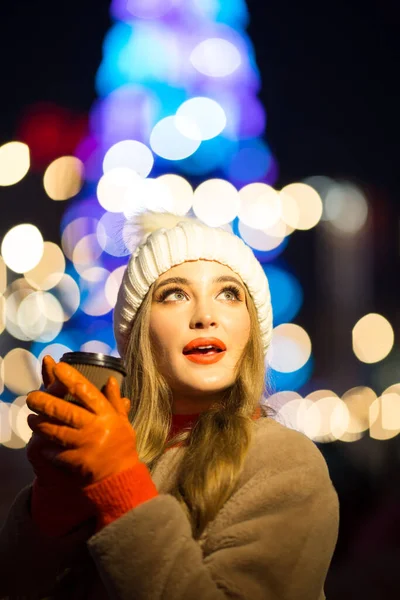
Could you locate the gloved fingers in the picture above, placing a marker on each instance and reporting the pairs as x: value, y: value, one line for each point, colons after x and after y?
x: 70, y: 460
x: 56, y: 408
x: 82, y: 389
x: 48, y: 365
x: 127, y: 405
x: 113, y: 395
x: 50, y: 382
x: 54, y: 432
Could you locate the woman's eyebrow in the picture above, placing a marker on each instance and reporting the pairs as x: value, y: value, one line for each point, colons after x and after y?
x: 184, y: 281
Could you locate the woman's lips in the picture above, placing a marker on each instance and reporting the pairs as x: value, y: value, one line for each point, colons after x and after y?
x: 206, y: 359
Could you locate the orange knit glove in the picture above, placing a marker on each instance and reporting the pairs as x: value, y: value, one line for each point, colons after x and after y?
x: 92, y: 441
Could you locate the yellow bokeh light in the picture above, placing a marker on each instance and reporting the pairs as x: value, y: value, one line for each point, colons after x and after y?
x: 261, y: 207
x: 5, y: 424
x: 14, y: 162
x: 3, y: 275
x: 22, y: 247
x: 21, y: 371
x: 49, y: 271
x: 358, y: 401
x: 301, y: 206
x: 2, y: 313
x: 63, y: 178
x: 327, y: 419
x: 1, y: 375
x: 373, y: 338
x: 384, y: 416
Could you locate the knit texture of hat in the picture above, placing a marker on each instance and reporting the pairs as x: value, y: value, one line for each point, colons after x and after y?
x: 167, y: 240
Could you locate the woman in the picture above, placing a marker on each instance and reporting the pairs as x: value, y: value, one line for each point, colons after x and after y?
x: 189, y: 489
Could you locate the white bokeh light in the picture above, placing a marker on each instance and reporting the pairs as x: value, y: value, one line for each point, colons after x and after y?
x: 130, y: 154
x: 168, y: 141
x: 346, y: 207
x: 207, y: 115
x: 113, y: 284
x: 150, y: 194
x: 216, y: 202
x: 40, y: 316
x: 113, y: 186
x: 215, y: 57
x: 22, y: 247
x: 290, y: 348
x: 180, y: 190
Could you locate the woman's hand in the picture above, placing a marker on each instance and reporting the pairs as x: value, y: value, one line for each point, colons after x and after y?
x: 92, y: 441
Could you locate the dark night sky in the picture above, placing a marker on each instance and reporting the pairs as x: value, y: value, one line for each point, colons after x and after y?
x: 329, y: 73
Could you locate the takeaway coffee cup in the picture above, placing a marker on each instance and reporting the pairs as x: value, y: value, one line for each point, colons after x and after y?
x: 96, y: 367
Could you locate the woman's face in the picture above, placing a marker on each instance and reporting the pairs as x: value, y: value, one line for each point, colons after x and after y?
x: 199, y: 308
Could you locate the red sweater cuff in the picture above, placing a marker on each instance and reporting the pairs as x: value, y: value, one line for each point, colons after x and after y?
x: 119, y: 493
x: 58, y: 509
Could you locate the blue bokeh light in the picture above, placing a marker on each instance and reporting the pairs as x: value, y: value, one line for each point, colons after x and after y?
x: 286, y: 294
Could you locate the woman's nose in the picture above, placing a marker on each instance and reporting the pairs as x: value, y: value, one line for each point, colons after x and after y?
x: 203, y: 317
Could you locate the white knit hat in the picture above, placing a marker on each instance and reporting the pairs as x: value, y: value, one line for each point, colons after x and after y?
x: 167, y: 240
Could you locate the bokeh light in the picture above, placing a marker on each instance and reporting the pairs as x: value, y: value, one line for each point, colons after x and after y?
x: 40, y: 316
x: 384, y: 417
x: 22, y: 247
x: 200, y: 118
x: 21, y: 371
x: 327, y: 419
x: 64, y: 178
x: 110, y: 234
x: 113, y: 284
x: 50, y: 269
x: 147, y: 194
x: 216, y: 202
x: 286, y: 294
x: 68, y: 295
x: 346, y: 208
x: 290, y: 348
x: 260, y: 206
x: 129, y: 154
x: 3, y: 275
x: 372, y: 338
x: 301, y: 206
x: 14, y: 162
x: 168, y: 141
x: 358, y: 401
x: 113, y: 186
x: 180, y: 190
x: 92, y: 284
x: 215, y: 57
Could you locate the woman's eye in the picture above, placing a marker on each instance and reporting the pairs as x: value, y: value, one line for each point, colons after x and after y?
x: 179, y: 294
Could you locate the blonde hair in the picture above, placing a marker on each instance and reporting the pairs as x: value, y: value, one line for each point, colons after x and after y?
x: 218, y: 442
